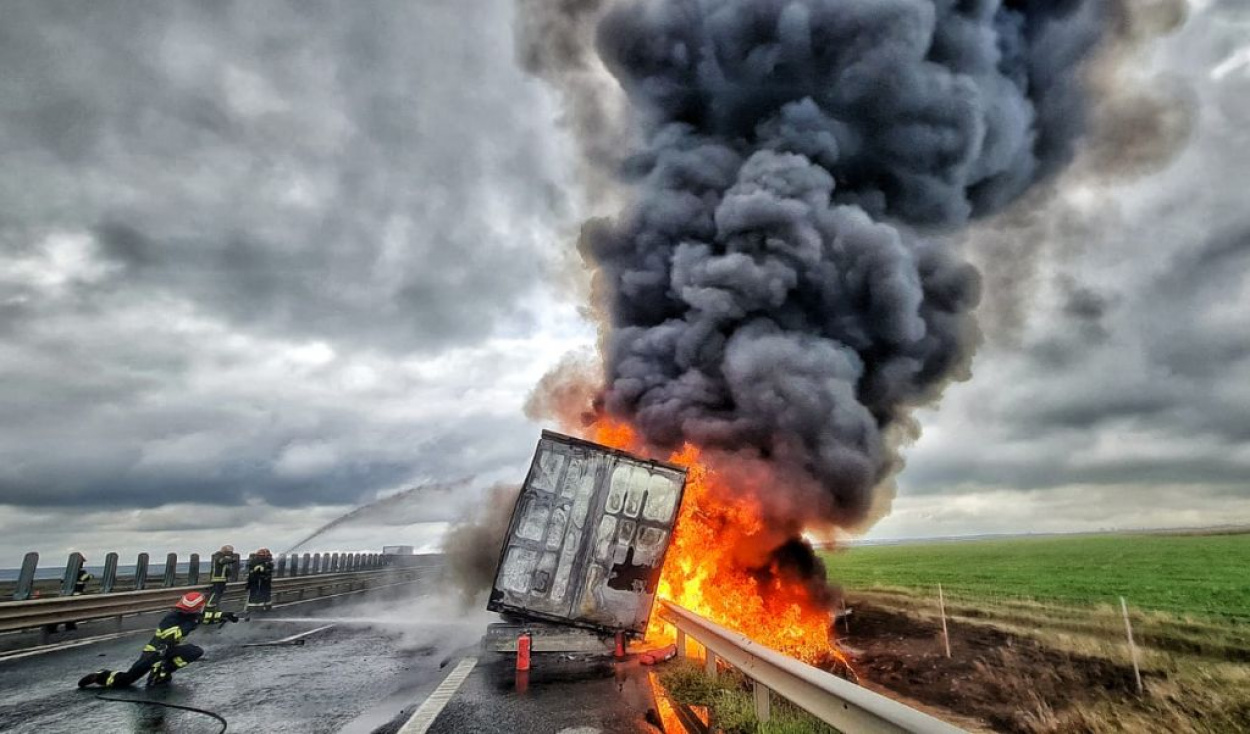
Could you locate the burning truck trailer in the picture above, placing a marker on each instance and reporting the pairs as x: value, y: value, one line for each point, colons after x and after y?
x: 585, y: 547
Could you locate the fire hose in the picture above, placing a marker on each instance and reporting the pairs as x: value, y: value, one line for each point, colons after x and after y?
x: 150, y: 702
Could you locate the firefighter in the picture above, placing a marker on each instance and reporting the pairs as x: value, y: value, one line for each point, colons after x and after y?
x: 223, y: 565
x: 166, y: 652
x: 80, y: 588
x: 260, y: 580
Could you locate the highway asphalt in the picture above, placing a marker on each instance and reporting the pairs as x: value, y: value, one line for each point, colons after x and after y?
x: 356, y: 676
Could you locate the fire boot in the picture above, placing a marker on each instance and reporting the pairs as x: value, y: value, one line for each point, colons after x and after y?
x: 97, y: 678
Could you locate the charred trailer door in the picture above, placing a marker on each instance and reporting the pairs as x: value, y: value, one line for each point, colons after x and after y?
x: 588, y: 536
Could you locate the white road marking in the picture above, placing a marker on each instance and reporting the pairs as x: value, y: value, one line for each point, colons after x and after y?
x: 41, y: 649
x: 429, y: 710
x: 292, y: 638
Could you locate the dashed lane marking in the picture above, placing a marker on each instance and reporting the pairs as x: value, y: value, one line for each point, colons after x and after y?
x: 429, y: 709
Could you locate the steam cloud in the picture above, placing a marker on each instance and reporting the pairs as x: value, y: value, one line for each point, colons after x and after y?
x: 780, y: 289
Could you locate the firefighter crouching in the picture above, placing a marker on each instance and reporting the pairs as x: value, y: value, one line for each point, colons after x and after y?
x: 222, y: 569
x: 260, y: 581
x: 166, y: 652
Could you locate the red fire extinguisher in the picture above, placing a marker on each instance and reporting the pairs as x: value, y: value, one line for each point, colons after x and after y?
x: 523, y: 651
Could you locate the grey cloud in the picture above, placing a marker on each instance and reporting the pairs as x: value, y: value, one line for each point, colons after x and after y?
x: 238, y: 241
x: 345, y: 173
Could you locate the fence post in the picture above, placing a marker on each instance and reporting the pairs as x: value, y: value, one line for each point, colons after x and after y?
x: 72, y: 567
x: 316, y: 559
x: 306, y: 565
x: 1132, y: 646
x: 763, y: 708
x: 280, y: 570
x: 946, y: 638
x: 334, y: 562
x: 193, y: 569
x: 141, y: 572
x: 681, y: 643
x: 709, y: 662
x: 170, y: 579
x: 109, y: 578
x: 26, y: 579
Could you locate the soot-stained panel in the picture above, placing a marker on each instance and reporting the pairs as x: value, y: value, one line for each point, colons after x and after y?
x: 588, y: 535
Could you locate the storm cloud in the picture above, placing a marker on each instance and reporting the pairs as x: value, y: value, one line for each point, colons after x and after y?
x: 251, y: 254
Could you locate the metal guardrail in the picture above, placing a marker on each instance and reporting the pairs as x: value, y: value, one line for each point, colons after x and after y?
x: 27, y: 586
x: 839, y: 703
x: 36, y: 613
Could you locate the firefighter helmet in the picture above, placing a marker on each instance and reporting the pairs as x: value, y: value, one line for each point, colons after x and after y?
x: 263, y: 552
x: 192, y: 601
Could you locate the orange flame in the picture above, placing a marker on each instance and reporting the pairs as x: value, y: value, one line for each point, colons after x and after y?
x: 703, y: 573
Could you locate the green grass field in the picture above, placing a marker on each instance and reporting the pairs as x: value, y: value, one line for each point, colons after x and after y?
x: 1205, y: 575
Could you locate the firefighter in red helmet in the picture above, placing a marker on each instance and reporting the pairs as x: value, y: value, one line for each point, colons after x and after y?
x: 166, y: 652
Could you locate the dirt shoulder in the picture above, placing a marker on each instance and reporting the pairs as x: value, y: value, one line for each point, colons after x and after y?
x: 1004, y: 680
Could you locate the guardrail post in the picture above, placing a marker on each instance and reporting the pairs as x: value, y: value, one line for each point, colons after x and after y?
x: 279, y: 571
x: 193, y: 569
x: 141, y: 572
x: 709, y: 662
x: 171, y: 571
x: 72, y: 567
x: 109, y: 578
x: 763, y: 705
x: 681, y: 643
x: 26, y: 579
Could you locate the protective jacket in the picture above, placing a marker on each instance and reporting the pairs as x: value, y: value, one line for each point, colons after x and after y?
x: 259, y: 582
x: 171, y: 630
x: 166, y: 652
x: 223, y: 567
x: 80, y: 584
x: 219, y: 574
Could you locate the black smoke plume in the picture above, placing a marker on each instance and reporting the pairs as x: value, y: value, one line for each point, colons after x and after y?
x: 780, y: 290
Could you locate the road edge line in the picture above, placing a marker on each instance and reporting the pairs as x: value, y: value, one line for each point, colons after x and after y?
x: 430, y: 708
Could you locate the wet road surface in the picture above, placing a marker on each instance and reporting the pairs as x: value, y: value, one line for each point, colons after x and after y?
x: 350, y: 677
x: 573, y: 696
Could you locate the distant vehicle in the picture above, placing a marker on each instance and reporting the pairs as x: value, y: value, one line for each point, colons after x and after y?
x: 588, y: 536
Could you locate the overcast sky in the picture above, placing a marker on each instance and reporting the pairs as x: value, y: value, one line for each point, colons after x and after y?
x: 262, y: 263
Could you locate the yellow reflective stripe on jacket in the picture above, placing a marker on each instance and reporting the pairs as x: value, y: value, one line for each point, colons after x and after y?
x: 174, y: 632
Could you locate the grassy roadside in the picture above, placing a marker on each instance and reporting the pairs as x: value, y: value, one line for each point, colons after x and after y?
x: 1184, y: 575
x: 729, y: 700
x: 1189, y: 602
